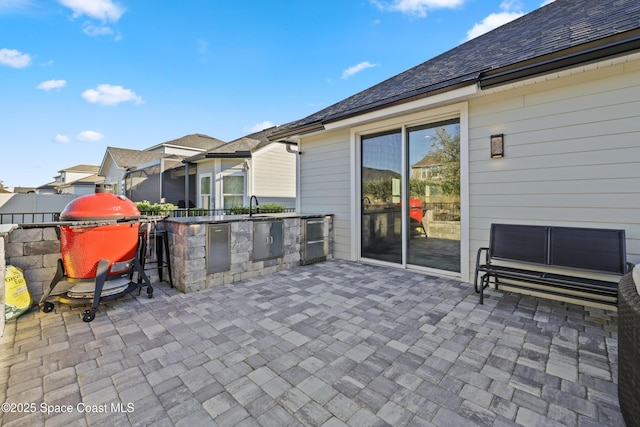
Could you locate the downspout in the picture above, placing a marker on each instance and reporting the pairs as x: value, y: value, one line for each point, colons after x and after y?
x: 298, y: 153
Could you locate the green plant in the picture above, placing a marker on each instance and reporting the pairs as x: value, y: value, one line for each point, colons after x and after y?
x: 271, y: 208
x: 268, y: 208
x: 155, y: 209
x: 238, y: 210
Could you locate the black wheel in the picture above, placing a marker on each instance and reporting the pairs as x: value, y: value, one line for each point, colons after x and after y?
x: 88, y: 316
x: 47, y: 307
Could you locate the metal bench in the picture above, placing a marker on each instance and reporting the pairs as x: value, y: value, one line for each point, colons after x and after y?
x: 537, y: 249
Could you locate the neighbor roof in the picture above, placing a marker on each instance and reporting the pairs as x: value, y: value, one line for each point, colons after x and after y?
x: 126, y: 158
x: 559, y: 35
x: 86, y: 181
x: 238, y: 148
x: 196, y: 140
x: 82, y: 168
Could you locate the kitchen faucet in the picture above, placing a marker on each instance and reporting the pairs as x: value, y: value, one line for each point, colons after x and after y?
x: 251, y: 205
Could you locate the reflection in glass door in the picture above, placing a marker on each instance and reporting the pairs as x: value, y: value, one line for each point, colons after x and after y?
x: 433, y: 234
x: 381, y: 216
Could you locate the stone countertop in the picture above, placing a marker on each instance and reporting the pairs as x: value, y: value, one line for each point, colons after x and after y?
x: 245, y: 217
x: 7, y: 228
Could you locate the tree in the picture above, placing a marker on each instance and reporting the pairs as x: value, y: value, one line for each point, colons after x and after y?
x: 446, y: 152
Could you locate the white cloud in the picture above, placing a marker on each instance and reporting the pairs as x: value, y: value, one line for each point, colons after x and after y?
x: 261, y: 126
x: 52, y: 84
x: 106, y: 94
x: 356, y: 69
x: 511, y: 9
x: 89, y: 135
x: 95, y: 31
x: 104, y: 10
x: 63, y: 139
x: 546, y: 2
x: 14, y: 58
x: 416, y: 7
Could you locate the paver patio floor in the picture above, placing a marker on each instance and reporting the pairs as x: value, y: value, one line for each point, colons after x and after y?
x: 330, y: 344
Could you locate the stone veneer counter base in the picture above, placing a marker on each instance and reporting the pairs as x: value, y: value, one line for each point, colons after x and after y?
x: 188, y: 248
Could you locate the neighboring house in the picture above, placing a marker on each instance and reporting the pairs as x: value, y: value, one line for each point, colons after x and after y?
x: 23, y: 190
x: 117, y: 161
x: 77, y: 180
x: 82, y: 186
x: 560, y: 84
x: 230, y: 174
x: 156, y: 174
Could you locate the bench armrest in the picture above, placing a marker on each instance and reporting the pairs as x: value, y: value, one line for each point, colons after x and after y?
x: 475, y: 278
x: 479, y: 254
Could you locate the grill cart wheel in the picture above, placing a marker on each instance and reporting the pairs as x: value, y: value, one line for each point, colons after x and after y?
x: 47, y: 307
x: 88, y: 316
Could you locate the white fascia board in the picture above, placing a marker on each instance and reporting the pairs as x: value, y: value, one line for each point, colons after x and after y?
x: 453, y: 96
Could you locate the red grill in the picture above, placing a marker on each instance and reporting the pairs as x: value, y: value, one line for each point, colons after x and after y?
x: 113, y: 236
x: 99, y: 238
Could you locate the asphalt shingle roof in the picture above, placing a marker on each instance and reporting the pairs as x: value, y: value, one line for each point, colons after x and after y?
x: 127, y: 158
x: 81, y: 168
x: 248, y: 143
x: 557, y: 27
x: 196, y: 140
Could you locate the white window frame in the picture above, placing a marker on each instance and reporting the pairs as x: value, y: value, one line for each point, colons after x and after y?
x: 232, y: 172
x: 211, y: 191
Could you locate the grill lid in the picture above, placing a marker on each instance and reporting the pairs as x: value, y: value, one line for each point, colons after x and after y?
x: 100, y: 206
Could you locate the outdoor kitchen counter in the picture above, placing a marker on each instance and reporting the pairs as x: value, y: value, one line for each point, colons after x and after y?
x: 197, y: 255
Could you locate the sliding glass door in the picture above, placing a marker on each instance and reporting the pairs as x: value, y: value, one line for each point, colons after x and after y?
x: 381, y: 216
x: 410, y: 205
x: 433, y: 174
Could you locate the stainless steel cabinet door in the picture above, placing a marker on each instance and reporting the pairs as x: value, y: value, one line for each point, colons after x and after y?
x: 268, y: 240
x: 218, y: 248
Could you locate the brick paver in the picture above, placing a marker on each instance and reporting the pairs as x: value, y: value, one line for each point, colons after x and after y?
x: 330, y: 344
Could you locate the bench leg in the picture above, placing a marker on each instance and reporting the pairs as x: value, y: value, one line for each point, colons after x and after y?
x: 480, y: 289
x: 484, y: 283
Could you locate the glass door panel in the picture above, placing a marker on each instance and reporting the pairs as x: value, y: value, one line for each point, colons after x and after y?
x: 433, y: 218
x: 381, y: 217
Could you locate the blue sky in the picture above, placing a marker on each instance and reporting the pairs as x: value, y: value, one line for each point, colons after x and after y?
x: 77, y: 76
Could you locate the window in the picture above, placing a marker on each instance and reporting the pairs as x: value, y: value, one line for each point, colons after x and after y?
x: 204, y: 191
x: 233, y: 190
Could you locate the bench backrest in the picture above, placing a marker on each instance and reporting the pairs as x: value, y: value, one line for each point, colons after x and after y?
x: 572, y: 247
x: 525, y: 243
x: 588, y: 249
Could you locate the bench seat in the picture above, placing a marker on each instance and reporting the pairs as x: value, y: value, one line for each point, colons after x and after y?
x: 601, y: 251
